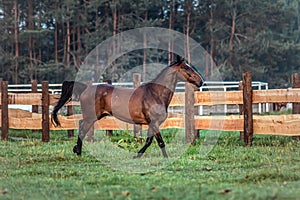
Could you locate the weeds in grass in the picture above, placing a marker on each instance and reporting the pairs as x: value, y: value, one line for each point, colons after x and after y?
x: 31, y: 169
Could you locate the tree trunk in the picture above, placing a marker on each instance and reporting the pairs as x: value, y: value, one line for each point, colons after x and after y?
x: 298, y: 21
x: 145, y: 50
x: 114, y: 29
x: 207, y: 57
x: 79, y: 44
x: 68, y: 39
x: 211, y: 39
x: 234, y: 9
x: 16, y: 38
x: 30, y: 40
x: 56, y: 47
x: 187, y: 37
x: 56, y: 42
x: 114, y: 17
x: 170, y: 45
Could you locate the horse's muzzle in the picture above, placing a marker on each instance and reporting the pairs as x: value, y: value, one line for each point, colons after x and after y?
x: 198, y: 83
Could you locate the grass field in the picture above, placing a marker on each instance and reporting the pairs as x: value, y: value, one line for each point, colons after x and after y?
x: 31, y: 169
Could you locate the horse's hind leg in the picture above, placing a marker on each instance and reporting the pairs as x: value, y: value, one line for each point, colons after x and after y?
x: 84, y: 127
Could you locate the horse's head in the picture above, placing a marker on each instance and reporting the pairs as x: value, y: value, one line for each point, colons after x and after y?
x: 187, y: 73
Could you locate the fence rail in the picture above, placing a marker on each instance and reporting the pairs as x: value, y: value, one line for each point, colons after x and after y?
x: 204, y: 98
x: 180, y: 87
x: 287, y: 125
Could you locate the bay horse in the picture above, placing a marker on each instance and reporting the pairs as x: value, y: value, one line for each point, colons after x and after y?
x: 144, y: 105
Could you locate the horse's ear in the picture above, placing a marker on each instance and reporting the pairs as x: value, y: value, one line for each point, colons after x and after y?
x: 179, y: 59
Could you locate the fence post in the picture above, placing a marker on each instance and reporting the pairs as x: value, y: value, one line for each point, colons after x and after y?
x: 296, y: 84
x: 189, y: 114
x: 247, y: 107
x: 296, y: 105
x: 137, y: 129
x: 4, y: 110
x: 241, y: 110
x: 34, y: 89
x: 45, y: 112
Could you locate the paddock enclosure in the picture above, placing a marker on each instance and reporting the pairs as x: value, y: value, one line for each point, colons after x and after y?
x: 246, y: 121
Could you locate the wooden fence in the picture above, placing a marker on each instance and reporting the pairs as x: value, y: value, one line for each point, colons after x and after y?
x: 246, y: 122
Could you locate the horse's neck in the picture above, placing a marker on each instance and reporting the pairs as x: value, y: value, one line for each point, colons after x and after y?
x: 166, y: 82
x: 167, y: 78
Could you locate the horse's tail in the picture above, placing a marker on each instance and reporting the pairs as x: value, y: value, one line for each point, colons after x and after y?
x: 66, y: 95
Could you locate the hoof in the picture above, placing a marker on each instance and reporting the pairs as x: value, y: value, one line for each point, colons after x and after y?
x: 165, y: 155
x: 137, y: 156
x: 76, y: 150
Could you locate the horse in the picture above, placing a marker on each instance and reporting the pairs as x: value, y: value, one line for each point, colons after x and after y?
x: 144, y: 105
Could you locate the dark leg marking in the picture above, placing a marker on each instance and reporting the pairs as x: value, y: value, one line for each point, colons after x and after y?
x: 78, y: 147
x: 161, y: 144
x: 84, y: 127
x: 143, y: 149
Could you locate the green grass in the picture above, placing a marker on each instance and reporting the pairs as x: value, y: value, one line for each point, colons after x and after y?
x: 30, y: 169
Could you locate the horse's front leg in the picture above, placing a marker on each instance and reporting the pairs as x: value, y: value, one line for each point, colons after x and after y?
x: 149, y: 140
x: 84, y: 127
x: 143, y: 149
x: 158, y: 137
x: 161, y: 143
x: 153, y: 132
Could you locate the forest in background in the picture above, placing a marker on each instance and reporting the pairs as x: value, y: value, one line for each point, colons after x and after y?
x: 48, y: 40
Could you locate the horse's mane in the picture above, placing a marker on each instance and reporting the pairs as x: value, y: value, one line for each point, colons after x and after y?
x: 163, y: 72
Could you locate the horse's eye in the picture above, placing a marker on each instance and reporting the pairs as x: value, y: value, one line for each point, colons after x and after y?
x: 186, y: 67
